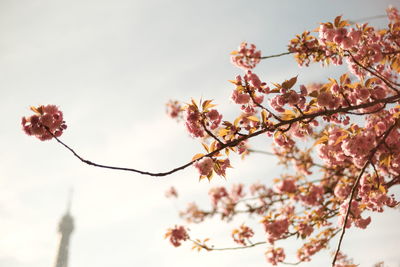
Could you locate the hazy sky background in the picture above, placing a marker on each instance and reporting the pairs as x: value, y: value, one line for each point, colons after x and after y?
x: 111, y: 66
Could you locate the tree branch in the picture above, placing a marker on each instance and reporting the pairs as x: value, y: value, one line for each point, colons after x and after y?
x: 228, y: 248
x: 353, y: 190
x: 277, y: 55
x: 233, y: 143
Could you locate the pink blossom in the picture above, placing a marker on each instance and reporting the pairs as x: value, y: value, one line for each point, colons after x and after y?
x: 286, y: 186
x: 275, y: 229
x: 242, y: 148
x: 237, y: 192
x: 292, y: 98
x: 174, y: 109
x: 393, y: 14
x: 216, y: 194
x: 240, y: 98
x: 215, y: 118
x: 171, y: 193
x: 343, y: 261
x: 313, y: 196
x: 310, y: 248
x: 363, y: 223
x: 274, y: 256
x: 246, y: 57
x: 253, y: 79
x: 193, y: 122
x: 325, y: 99
x: 342, y: 191
x: 46, y: 123
x: 204, y: 166
x: 242, y: 234
x: 193, y: 214
x: 276, y: 103
x: 220, y: 169
x: 177, y: 235
x: 305, y: 229
x: 354, y: 215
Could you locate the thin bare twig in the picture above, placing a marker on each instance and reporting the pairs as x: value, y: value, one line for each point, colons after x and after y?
x: 261, y: 152
x: 228, y: 248
x: 277, y: 55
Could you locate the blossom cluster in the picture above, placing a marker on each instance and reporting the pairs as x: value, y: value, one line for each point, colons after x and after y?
x: 246, y: 57
x: 275, y: 255
x: 242, y: 234
x: 176, y: 235
x: 45, y: 123
x: 174, y: 109
x: 357, y: 159
x: 275, y: 229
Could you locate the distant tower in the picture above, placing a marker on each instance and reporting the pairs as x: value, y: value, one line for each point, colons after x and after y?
x: 65, y: 229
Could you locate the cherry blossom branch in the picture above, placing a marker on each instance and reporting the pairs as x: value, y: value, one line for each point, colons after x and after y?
x: 353, y: 190
x: 369, y: 112
x: 233, y: 143
x: 227, y: 248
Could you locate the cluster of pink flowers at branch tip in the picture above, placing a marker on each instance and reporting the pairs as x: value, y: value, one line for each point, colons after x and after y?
x: 246, y: 57
x: 176, y: 235
x: 346, y: 39
x: 207, y: 165
x: 45, y: 123
x: 275, y: 228
x: 198, y: 121
x: 245, y: 93
x: 275, y: 255
x: 242, y: 234
x: 338, y: 40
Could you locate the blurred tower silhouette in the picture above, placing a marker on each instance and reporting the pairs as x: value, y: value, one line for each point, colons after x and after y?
x: 65, y: 228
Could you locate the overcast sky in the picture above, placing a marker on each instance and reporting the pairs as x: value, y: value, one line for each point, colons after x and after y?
x: 111, y: 66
